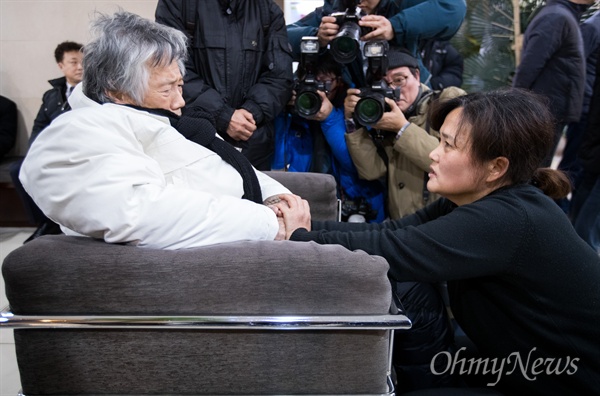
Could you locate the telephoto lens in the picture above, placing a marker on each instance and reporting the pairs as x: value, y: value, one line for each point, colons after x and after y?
x: 370, y: 109
x: 308, y: 102
x: 345, y: 46
x: 371, y: 105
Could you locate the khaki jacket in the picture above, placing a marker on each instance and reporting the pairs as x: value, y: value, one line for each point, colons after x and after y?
x: 408, y: 159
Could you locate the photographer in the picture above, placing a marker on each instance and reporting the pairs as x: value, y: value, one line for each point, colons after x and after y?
x: 401, y: 23
x: 398, y: 145
x: 315, y: 143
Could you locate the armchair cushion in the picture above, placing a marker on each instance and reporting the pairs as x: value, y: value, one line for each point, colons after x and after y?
x: 59, y: 274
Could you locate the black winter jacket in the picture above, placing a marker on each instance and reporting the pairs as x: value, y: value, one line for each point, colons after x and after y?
x: 553, y: 61
x: 239, y: 58
x: 589, y: 152
x: 590, y: 32
x: 520, y: 280
x: 444, y: 63
x: 8, y: 125
x: 54, y: 103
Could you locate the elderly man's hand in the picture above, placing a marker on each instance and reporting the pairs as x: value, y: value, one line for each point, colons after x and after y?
x: 242, y: 125
x: 392, y: 120
x: 296, y: 213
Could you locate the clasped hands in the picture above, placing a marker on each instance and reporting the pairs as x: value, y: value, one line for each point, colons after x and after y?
x: 292, y: 213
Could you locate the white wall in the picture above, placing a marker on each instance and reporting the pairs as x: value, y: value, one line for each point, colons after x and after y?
x: 29, y: 33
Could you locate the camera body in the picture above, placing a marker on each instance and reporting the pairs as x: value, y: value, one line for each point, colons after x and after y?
x: 357, y: 209
x: 371, y: 105
x: 346, y: 46
x: 308, y: 102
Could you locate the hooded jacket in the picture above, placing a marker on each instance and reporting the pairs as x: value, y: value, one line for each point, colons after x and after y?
x: 124, y: 175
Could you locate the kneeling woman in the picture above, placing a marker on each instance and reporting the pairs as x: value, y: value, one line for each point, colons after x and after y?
x: 522, y: 284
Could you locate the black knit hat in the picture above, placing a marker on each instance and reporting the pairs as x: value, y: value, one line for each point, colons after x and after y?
x: 398, y: 57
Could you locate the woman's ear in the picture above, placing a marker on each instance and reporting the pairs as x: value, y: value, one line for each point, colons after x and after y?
x: 497, y: 168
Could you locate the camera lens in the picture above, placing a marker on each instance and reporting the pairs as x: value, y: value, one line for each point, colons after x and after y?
x: 369, y: 110
x: 345, y: 46
x: 308, y: 103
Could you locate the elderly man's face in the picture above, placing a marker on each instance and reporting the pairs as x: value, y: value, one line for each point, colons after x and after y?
x: 401, y: 77
x: 164, y: 89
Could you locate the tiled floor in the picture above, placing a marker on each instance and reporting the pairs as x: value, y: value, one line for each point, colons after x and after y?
x: 10, y: 239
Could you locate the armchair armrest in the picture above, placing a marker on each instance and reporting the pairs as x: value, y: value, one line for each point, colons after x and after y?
x: 319, y: 189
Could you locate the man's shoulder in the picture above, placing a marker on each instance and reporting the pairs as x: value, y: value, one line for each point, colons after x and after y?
x: 451, y: 92
x: 445, y: 94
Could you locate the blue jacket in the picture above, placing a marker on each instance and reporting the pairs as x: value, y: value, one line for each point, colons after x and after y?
x: 294, y: 150
x: 412, y: 21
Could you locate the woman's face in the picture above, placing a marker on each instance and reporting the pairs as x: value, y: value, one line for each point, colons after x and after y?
x: 453, y: 173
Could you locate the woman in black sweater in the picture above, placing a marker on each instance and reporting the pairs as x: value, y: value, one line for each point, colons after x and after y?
x: 523, y: 285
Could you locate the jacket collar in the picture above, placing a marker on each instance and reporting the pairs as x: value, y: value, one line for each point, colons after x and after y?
x: 60, y: 83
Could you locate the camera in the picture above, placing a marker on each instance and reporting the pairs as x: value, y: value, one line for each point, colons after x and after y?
x: 345, y: 46
x: 308, y: 102
x: 357, y: 211
x: 371, y: 105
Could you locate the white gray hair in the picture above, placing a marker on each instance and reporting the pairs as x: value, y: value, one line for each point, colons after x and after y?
x: 126, y: 47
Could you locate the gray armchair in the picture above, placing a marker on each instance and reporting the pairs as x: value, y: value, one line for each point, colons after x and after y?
x: 266, y: 317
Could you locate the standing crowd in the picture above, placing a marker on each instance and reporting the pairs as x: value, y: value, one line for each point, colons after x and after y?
x: 159, y: 132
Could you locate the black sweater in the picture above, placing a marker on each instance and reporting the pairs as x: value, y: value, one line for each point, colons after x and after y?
x: 518, y: 275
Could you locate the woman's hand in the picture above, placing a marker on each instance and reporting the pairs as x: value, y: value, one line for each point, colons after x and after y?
x: 296, y: 213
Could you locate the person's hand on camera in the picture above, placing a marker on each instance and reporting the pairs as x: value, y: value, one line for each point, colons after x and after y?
x: 292, y: 100
x: 327, y: 30
x: 325, y: 110
x: 350, y: 102
x: 242, y: 125
x: 382, y: 28
x: 296, y: 213
x: 392, y: 120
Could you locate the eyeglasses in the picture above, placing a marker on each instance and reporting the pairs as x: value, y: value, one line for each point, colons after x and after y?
x: 398, y: 81
x: 326, y: 81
